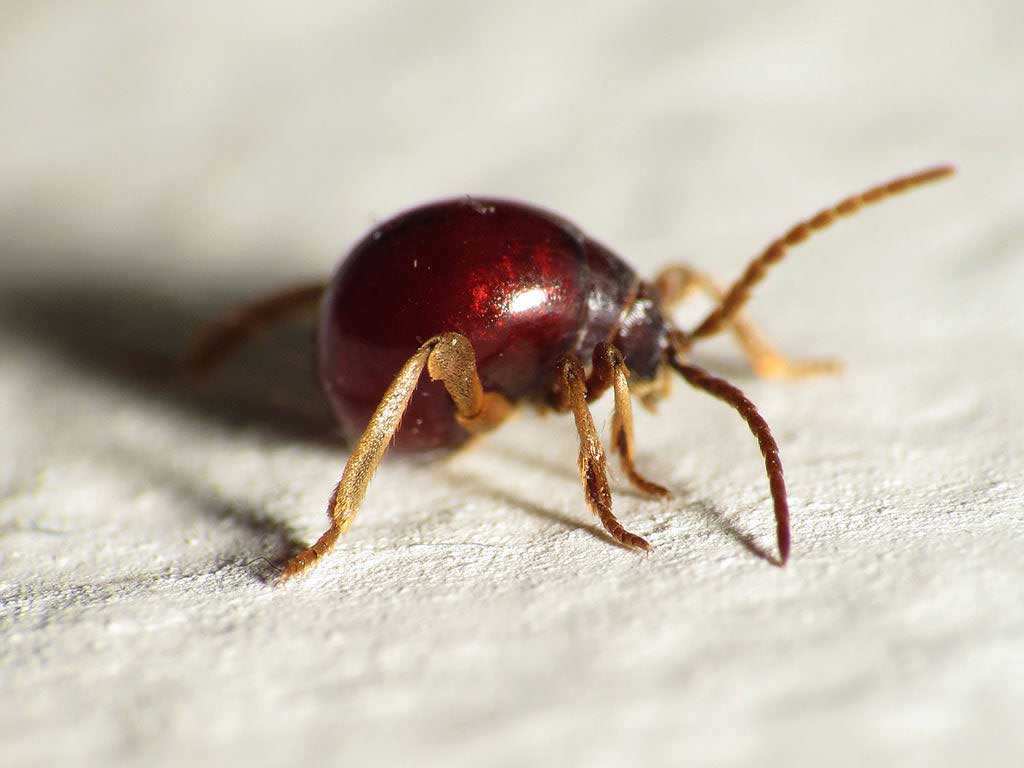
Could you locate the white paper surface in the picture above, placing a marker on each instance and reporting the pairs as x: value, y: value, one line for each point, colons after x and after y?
x: 160, y: 163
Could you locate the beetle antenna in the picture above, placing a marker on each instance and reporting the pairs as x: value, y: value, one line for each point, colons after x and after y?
x: 738, y: 295
x: 723, y: 390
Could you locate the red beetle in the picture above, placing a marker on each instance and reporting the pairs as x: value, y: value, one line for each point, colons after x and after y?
x: 505, y: 303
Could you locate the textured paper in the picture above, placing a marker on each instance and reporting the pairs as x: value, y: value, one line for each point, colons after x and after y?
x: 161, y: 162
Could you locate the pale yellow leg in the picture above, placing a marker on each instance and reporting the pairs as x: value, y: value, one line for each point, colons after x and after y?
x: 677, y: 282
x: 609, y: 370
x: 592, y: 465
x: 449, y: 358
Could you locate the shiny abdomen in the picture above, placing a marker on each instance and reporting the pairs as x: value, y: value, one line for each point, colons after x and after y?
x: 522, y: 284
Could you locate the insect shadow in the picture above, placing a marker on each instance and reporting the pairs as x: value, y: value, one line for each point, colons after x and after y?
x: 258, y: 531
x: 683, y: 502
x: 130, y: 333
x: 125, y: 332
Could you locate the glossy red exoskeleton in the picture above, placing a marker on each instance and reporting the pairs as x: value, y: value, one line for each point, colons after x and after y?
x: 503, y: 303
x: 523, y: 285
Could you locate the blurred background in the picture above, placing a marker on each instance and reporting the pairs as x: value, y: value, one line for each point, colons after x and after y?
x: 190, y: 138
x: 160, y: 162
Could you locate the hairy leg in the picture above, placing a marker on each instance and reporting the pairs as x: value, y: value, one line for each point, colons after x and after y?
x: 609, y: 370
x: 572, y: 395
x: 449, y: 358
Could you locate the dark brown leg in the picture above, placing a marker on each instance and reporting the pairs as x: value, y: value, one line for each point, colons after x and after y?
x: 723, y: 390
x: 609, y: 370
x: 738, y: 295
x: 676, y: 282
x: 222, y: 338
x: 448, y: 358
x: 572, y: 395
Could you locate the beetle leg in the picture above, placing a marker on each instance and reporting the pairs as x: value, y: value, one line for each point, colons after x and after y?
x: 448, y: 357
x: 221, y: 338
x: 572, y: 394
x: 678, y: 281
x: 453, y: 362
x: 609, y: 369
x: 739, y: 293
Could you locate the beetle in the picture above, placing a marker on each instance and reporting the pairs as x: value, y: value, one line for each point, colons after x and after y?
x: 504, y: 303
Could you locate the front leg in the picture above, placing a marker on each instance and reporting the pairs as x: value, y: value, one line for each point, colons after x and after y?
x: 449, y: 358
x: 609, y: 370
x: 571, y: 394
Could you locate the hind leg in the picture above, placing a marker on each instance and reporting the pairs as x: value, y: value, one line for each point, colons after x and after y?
x: 223, y: 337
x: 449, y: 358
